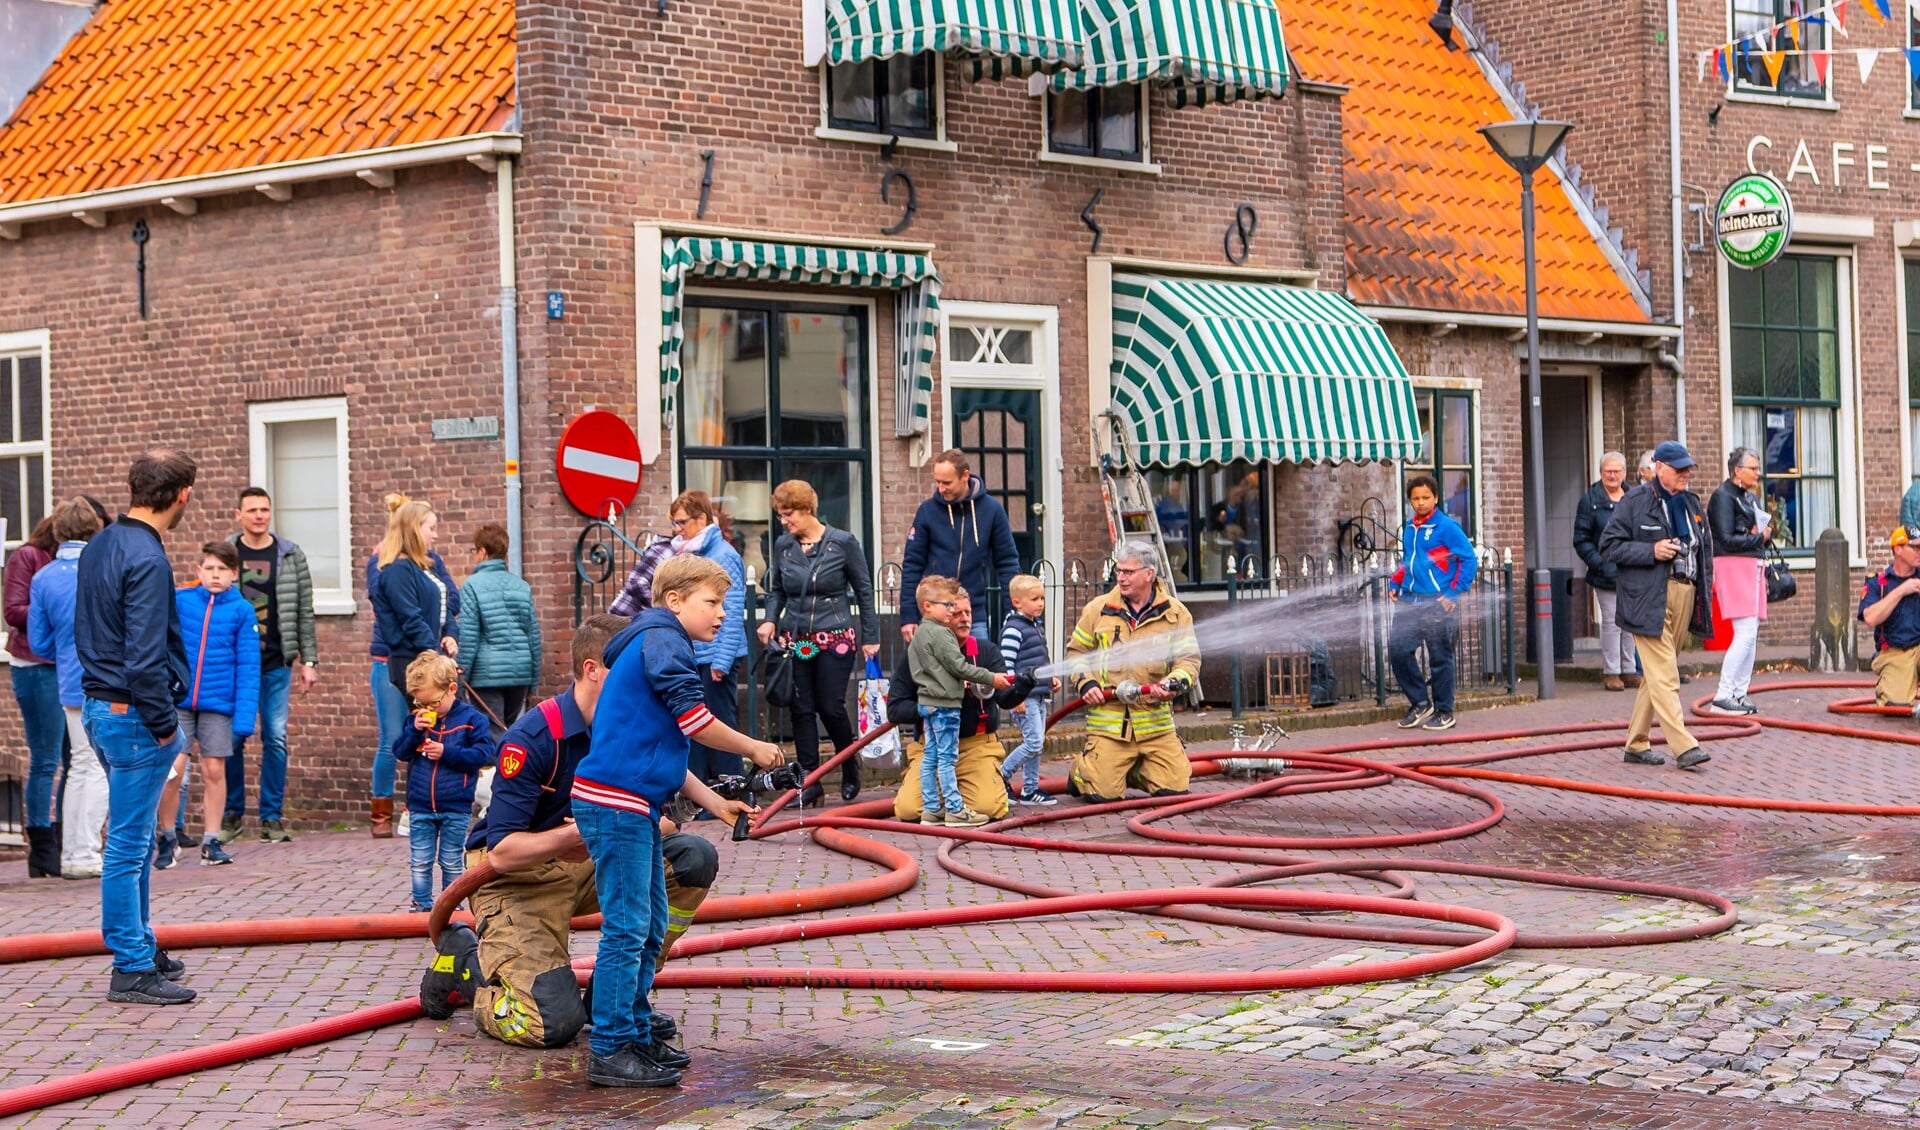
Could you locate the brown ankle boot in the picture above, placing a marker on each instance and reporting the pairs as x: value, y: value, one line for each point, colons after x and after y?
x: 382, y: 818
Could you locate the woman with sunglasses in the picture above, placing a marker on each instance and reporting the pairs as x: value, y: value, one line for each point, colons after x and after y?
x: 699, y: 528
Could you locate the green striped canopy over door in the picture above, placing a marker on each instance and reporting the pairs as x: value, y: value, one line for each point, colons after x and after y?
x: 1210, y: 372
x: 1201, y: 51
x: 1022, y: 34
x: 912, y: 278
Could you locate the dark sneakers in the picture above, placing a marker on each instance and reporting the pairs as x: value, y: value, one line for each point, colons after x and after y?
x: 1644, y: 757
x: 168, y: 967
x: 661, y: 1028
x: 229, y: 828
x: 1441, y: 720
x: 1692, y: 759
x: 666, y: 1055
x: 1415, y: 715
x: 166, y: 850
x: 626, y: 1068
x: 274, y: 832
x: 147, y: 988
x: 212, y: 854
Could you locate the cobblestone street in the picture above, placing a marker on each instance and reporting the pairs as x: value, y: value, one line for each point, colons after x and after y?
x: 1806, y: 1006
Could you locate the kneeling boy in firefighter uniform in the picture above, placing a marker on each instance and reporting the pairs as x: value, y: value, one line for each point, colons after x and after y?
x: 518, y: 972
x: 1137, y: 641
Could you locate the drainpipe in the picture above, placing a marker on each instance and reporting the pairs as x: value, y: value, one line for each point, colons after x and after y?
x: 509, y: 360
x: 1679, y: 354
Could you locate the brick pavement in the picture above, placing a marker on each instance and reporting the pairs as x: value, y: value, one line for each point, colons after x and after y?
x: 835, y: 1058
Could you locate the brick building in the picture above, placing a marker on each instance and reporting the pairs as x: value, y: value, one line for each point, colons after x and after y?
x: 783, y: 241
x: 1809, y: 359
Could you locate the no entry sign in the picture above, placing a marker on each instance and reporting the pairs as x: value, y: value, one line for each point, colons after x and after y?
x: 599, y: 463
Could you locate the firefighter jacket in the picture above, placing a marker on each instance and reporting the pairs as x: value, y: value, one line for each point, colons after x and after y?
x: 1112, y: 644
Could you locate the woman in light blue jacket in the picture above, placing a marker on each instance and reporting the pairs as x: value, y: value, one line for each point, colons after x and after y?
x: 698, y: 529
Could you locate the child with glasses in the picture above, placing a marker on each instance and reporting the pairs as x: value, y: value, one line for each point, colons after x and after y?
x: 941, y: 671
x: 455, y: 741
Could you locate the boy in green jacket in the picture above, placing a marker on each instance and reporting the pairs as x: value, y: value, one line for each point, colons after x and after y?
x: 941, y: 671
x: 499, y: 634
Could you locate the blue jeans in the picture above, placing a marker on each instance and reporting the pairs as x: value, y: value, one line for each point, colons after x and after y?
x: 275, y: 687
x: 1033, y: 733
x: 37, y: 689
x: 441, y: 836
x: 136, y: 768
x: 390, y: 708
x: 632, y: 883
x: 1417, y: 624
x: 937, y: 779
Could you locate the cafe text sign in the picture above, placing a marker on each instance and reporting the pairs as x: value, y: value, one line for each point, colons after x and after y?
x: 1836, y: 164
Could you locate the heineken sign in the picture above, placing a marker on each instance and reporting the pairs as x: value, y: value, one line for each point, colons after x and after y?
x: 1754, y: 221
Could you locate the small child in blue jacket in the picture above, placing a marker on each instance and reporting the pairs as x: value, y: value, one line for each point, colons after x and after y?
x: 456, y: 742
x: 222, y: 635
x: 652, y: 703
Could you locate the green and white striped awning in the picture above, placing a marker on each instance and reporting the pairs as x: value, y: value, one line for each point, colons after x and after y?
x: 1026, y: 34
x: 1200, y: 51
x: 912, y: 278
x: 1210, y: 372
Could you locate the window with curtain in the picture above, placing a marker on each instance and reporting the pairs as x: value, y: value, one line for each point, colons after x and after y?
x: 1912, y: 269
x: 1447, y: 452
x: 772, y: 391
x: 24, y: 449
x: 1784, y: 323
x: 1105, y: 122
x: 1210, y: 514
x: 300, y: 456
x: 1751, y: 20
x: 885, y: 96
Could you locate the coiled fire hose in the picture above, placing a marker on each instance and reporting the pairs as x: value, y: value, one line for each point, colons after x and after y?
x: 1223, y: 900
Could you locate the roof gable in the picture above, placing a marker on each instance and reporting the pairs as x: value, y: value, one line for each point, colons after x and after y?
x: 1432, y: 212
x: 158, y: 90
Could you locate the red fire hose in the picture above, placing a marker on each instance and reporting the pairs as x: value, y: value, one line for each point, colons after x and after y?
x: 1225, y: 899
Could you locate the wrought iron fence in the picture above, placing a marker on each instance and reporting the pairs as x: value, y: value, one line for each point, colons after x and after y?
x: 1321, y: 637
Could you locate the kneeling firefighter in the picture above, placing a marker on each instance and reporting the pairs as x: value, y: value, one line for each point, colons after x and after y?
x: 982, y: 788
x: 1131, y: 654
x: 517, y: 970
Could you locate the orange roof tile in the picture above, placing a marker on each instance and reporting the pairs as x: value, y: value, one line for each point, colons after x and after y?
x: 1433, y: 214
x: 157, y: 90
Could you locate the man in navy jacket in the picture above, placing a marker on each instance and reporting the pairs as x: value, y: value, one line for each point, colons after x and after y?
x: 133, y: 666
x: 960, y: 532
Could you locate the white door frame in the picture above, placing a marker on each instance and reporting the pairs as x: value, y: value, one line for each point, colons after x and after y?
x: 1043, y: 374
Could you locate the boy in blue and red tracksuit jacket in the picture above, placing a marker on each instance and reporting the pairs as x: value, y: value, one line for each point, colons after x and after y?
x: 456, y: 742
x: 1437, y: 566
x: 652, y: 703
x: 222, y: 635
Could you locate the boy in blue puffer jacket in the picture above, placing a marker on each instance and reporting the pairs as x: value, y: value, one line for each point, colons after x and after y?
x: 454, y: 739
x: 222, y: 634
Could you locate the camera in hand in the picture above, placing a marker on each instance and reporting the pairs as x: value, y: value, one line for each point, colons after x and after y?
x: 759, y: 782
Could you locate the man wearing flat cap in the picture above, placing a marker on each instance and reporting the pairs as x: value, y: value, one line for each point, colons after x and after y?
x: 1890, y: 605
x: 1658, y: 536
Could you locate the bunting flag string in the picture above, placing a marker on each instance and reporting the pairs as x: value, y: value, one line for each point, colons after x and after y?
x: 1867, y: 59
x: 1794, y: 37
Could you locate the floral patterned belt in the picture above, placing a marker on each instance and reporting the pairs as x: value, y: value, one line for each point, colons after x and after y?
x: 807, y: 646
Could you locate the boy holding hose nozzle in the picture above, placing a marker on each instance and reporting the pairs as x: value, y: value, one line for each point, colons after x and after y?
x: 1137, y: 638
x: 654, y: 705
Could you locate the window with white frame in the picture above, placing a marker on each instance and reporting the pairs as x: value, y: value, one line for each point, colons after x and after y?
x: 899, y: 96
x: 299, y: 454
x: 1758, y: 23
x: 1912, y: 269
x: 1447, y: 452
x: 1106, y: 123
x: 26, y: 492
x: 1784, y: 324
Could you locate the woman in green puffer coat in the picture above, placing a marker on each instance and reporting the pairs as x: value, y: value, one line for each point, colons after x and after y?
x: 499, y: 633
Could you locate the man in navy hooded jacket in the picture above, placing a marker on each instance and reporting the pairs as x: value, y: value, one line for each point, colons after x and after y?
x: 960, y: 532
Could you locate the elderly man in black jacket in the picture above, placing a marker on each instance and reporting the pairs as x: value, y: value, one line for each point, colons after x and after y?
x: 1596, y: 507
x: 1659, y: 539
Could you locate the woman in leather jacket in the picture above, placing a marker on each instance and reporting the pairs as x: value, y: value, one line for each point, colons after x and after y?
x: 1741, y: 529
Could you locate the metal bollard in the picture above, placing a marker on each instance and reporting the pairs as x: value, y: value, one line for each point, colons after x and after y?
x: 1831, y: 645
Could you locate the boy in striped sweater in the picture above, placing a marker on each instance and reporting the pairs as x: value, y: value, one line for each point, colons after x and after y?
x: 651, y: 705
x: 1023, y: 644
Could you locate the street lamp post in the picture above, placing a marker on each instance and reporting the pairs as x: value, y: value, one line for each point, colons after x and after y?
x: 1527, y: 145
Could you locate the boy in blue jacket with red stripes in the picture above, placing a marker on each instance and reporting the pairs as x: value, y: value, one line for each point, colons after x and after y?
x: 652, y: 703
x: 1437, y: 566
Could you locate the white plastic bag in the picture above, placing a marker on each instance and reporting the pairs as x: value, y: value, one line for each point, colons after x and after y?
x: 884, y: 753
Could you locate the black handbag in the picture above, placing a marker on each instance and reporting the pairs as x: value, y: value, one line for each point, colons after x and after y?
x: 776, y: 676
x: 1780, y: 583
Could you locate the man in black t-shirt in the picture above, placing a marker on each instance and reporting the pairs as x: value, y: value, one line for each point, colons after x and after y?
x: 275, y: 579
